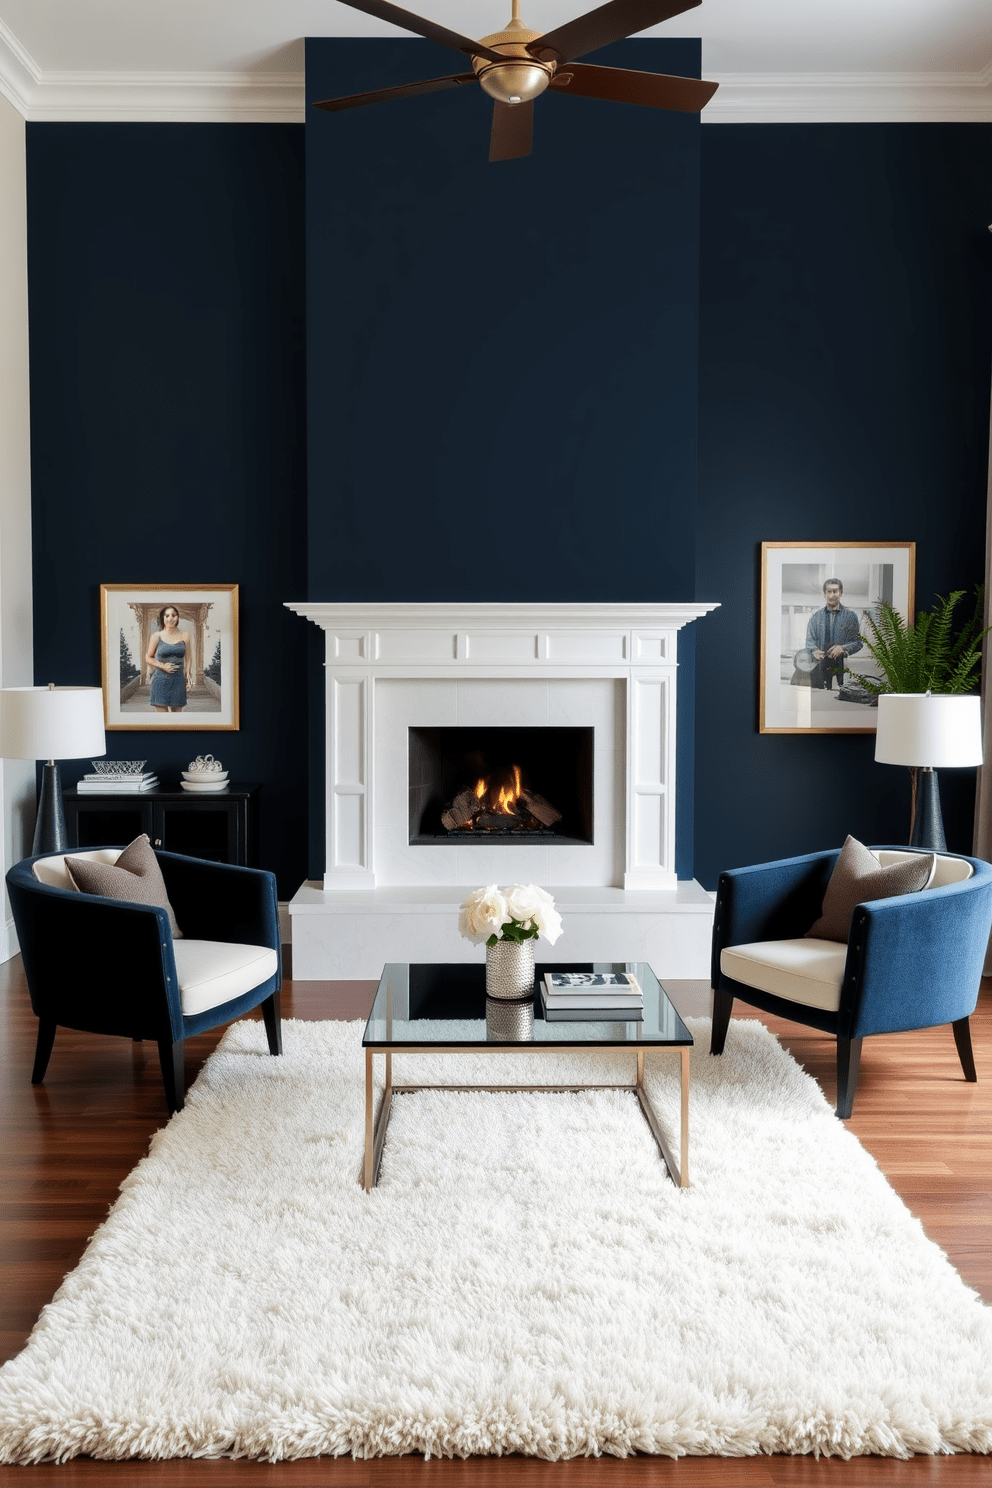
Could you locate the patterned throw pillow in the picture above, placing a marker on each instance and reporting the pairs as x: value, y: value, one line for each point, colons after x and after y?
x: 858, y: 877
x: 135, y: 876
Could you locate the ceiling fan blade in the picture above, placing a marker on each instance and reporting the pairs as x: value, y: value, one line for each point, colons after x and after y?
x: 607, y: 23
x: 618, y: 85
x: 430, y: 29
x: 405, y: 90
x: 512, y: 134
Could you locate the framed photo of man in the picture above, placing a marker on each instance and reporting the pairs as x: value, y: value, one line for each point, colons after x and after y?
x: 170, y: 656
x: 817, y: 601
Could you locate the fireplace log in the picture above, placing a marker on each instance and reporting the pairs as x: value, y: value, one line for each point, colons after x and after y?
x: 539, y: 807
x: 463, y: 808
x: 497, y: 821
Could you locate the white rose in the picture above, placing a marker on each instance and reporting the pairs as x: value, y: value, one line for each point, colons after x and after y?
x: 522, y: 903
x: 548, y: 922
x: 527, y: 904
x: 483, y: 913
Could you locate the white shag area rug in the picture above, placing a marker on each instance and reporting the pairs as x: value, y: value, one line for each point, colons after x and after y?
x: 526, y: 1277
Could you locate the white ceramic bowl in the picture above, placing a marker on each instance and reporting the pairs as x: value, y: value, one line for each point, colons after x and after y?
x: 204, y: 788
x: 205, y: 777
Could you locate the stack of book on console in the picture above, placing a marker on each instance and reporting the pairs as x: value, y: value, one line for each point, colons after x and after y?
x: 105, y: 785
x: 592, y: 996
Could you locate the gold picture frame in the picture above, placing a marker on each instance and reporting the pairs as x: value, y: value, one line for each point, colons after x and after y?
x: 801, y: 690
x: 208, y: 623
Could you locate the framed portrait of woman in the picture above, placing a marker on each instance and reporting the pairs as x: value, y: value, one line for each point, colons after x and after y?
x: 170, y: 656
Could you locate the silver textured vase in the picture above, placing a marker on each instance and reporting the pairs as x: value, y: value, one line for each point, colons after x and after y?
x: 510, y: 969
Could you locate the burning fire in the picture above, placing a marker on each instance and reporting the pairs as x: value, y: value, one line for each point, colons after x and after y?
x: 504, y: 799
x: 499, y: 803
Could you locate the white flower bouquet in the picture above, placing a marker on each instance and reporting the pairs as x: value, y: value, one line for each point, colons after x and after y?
x: 517, y: 913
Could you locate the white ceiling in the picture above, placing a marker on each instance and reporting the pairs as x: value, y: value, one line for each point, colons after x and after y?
x: 243, y: 59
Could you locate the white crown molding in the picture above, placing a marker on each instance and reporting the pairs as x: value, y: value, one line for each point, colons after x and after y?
x: 171, y: 97
x: 851, y: 98
x: 19, y: 73
x: 248, y: 98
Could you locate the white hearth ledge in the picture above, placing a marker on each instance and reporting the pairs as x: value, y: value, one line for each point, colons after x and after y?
x: 350, y: 935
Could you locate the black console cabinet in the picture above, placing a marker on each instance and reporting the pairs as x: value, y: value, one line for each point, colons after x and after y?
x: 221, y: 826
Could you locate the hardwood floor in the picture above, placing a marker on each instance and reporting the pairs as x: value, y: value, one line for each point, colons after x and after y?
x: 68, y: 1144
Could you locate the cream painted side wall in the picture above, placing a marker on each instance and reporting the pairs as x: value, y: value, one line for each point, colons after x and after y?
x: 17, y: 797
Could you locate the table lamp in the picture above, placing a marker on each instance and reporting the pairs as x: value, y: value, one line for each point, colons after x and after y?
x: 50, y: 723
x: 931, y: 732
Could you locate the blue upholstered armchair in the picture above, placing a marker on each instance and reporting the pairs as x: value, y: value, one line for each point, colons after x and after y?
x: 112, y: 967
x: 914, y: 961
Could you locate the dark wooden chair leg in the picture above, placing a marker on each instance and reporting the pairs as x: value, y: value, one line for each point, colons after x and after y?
x: 272, y: 1013
x: 723, y: 1003
x: 43, y: 1049
x: 962, y: 1038
x: 170, y: 1057
x: 848, y: 1069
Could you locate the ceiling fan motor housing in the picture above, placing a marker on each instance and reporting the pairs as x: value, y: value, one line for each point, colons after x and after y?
x: 521, y: 77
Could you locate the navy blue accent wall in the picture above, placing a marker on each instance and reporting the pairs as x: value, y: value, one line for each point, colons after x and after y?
x: 168, y: 417
x: 846, y: 345
x: 502, y: 358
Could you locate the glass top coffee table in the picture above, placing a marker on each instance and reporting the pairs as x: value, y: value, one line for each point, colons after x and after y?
x: 416, y: 1007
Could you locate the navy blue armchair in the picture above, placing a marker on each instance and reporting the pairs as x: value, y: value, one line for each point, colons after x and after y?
x: 112, y: 967
x: 911, y: 962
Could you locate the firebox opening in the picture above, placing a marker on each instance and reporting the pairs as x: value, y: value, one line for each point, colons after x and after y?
x: 495, y: 785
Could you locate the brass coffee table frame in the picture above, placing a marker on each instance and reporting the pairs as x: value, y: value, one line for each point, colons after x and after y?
x: 376, y: 1123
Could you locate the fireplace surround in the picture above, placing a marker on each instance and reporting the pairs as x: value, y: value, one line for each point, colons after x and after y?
x: 605, y: 674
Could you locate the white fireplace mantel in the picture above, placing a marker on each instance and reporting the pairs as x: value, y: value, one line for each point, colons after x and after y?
x: 392, y: 666
x: 466, y: 616
x: 374, y: 643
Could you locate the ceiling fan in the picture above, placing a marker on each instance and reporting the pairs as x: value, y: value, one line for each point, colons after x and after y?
x: 514, y: 65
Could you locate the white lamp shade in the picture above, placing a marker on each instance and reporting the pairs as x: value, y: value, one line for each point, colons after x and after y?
x: 939, y: 730
x: 51, y: 723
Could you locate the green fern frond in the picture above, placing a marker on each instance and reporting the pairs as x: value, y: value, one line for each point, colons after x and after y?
x: 962, y: 678
x: 942, y: 617
x: 972, y: 632
x: 928, y: 656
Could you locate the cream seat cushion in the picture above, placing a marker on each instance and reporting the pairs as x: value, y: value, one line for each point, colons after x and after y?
x: 53, y: 872
x: 946, y: 870
x: 804, y: 970
x: 212, y: 972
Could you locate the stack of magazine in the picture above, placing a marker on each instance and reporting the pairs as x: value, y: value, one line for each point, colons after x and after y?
x: 107, y: 784
x: 592, y: 996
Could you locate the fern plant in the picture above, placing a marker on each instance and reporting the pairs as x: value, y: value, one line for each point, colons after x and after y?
x: 928, y: 656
